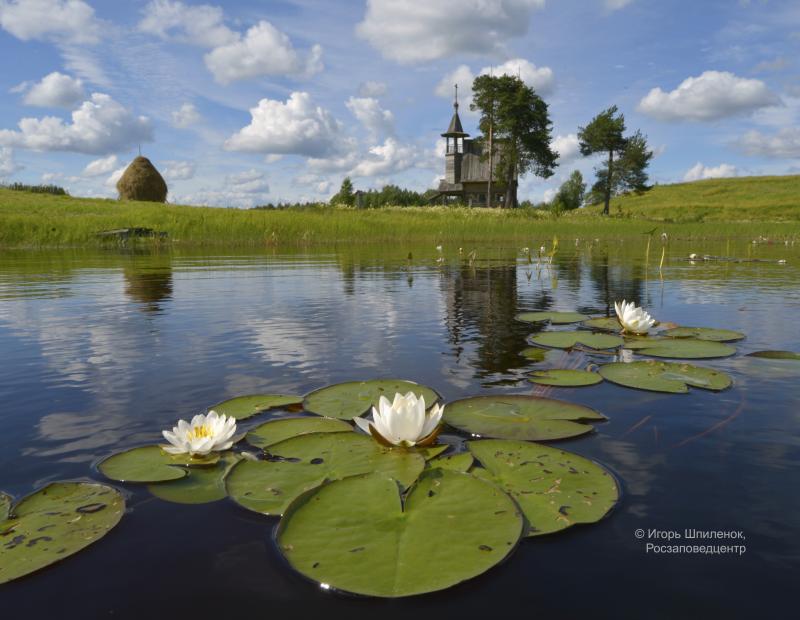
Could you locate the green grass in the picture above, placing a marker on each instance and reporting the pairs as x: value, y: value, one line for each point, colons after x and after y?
x: 717, y: 209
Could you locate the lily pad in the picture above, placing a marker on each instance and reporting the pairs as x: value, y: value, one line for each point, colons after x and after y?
x: 567, y: 340
x: 346, y: 401
x: 305, y: 462
x: 776, y: 355
x: 556, y: 318
x: 201, y: 485
x: 671, y: 377
x: 534, y: 354
x: 358, y: 535
x: 605, y: 323
x: 679, y: 348
x: 565, y: 378
x: 515, y: 416
x: 54, y: 523
x: 454, y: 462
x: 704, y: 333
x: 275, y: 431
x: 243, y: 407
x: 5, y: 505
x: 555, y: 489
x: 150, y: 464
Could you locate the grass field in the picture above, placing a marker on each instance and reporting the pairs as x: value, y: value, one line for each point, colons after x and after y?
x: 716, y: 209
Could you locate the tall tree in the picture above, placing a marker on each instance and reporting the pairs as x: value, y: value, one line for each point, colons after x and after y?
x: 519, y: 121
x: 626, y: 158
x: 345, y: 195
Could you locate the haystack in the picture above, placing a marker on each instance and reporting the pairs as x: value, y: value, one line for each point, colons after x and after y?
x: 141, y: 181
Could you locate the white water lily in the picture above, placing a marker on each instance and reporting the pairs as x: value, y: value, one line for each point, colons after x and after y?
x: 204, y: 434
x: 403, y: 422
x: 634, y: 319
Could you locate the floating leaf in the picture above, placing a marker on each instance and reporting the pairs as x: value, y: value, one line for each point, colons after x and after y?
x: 201, y: 485
x: 556, y: 318
x: 565, y: 377
x: 55, y: 522
x: 454, y: 462
x: 275, y: 431
x: 605, y: 323
x: 534, y: 354
x: 679, y: 348
x: 307, y: 461
x: 672, y: 377
x: 520, y: 417
x: 346, y: 401
x: 554, y: 488
x: 5, y: 505
x: 703, y: 333
x: 429, y: 452
x: 150, y: 464
x: 776, y: 355
x: 243, y: 407
x: 358, y: 535
x: 567, y: 340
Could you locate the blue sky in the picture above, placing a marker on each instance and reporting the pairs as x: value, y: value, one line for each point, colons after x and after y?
x: 245, y: 102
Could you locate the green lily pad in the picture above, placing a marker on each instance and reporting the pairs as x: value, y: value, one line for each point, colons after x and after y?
x: 201, y: 485
x: 307, y: 461
x: 429, y: 452
x: 534, y: 354
x: 54, y: 523
x: 565, y: 377
x: 556, y: 318
x: 555, y: 489
x: 346, y: 401
x: 567, y: 340
x: 671, y: 377
x: 359, y: 535
x: 679, y: 348
x: 776, y: 355
x: 275, y: 431
x: 243, y: 407
x: 150, y: 464
x: 515, y: 416
x: 704, y: 333
x: 461, y: 461
x: 5, y: 505
x: 605, y: 323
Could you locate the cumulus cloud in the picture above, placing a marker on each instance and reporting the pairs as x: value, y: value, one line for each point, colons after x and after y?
x: 186, y: 116
x: 785, y: 144
x: 99, y: 126
x: 710, y: 96
x: 372, y: 116
x: 7, y: 164
x: 178, y: 170
x: 296, y: 126
x: 55, y: 90
x: 63, y: 21
x: 101, y: 166
x: 114, y: 177
x: 699, y: 172
x: 371, y: 88
x: 411, y: 31
x: 196, y: 24
x: 568, y: 147
x: 387, y: 158
x: 248, y: 182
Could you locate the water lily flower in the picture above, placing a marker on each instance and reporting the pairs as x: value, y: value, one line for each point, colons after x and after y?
x: 633, y: 319
x: 204, y: 434
x: 403, y: 422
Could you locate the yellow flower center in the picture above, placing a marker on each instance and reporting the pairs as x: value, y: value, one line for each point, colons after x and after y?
x: 199, y: 432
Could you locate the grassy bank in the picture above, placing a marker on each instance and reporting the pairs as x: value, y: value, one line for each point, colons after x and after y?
x: 730, y: 208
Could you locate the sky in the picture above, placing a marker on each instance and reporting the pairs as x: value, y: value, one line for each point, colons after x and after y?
x: 247, y: 102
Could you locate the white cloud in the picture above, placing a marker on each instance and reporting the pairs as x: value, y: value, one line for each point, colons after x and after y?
x: 63, y: 21
x: 783, y: 144
x: 273, y: 158
x: 248, y: 182
x: 295, y: 127
x: 422, y: 30
x: 264, y: 50
x: 615, y: 5
x: 185, y: 116
x: 371, y: 88
x: 568, y: 147
x: 178, y: 170
x: 710, y: 96
x: 99, y: 126
x: 699, y: 171
x: 7, y: 164
x: 114, y: 177
x: 55, y: 90
x: 368, y: 111
x: 101, y: 166
x: 196, y: 24
x: 387, y: 158
x: 549, y: 194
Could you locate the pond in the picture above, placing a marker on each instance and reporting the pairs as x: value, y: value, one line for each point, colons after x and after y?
x: 102, y: 350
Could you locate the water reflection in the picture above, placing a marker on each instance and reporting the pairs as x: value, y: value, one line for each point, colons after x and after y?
x: 148, y: 281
